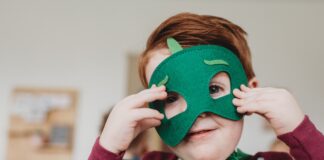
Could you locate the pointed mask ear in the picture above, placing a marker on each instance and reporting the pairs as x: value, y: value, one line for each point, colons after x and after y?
x: 173, y: 45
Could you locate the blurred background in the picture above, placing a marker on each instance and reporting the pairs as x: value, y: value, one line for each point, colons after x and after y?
x: 64, y: 64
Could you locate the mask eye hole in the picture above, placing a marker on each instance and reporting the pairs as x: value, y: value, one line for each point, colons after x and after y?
x: 174, y: 105
x: 219, y: 85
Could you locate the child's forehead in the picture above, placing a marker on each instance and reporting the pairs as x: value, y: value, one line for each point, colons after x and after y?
x: 157, y: 56
x: 197, y: 58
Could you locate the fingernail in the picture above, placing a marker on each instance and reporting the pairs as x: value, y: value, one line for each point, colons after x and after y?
x: 164, y: 93
x: 238, y: 109
x: 162, y: 116
x: 162, y: 86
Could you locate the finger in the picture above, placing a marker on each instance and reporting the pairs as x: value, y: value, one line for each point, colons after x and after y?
x: 146, y: 113
x: 256, y: 106
x: 251, y: 92
x: 247, y: 110
x: 145, y: 91
x: 245, y: 97
x: 244, y: 101
x: 245, y: 88
x: 248, y: 98
x: 263, y: 89
x: 248, y: 92
x: 152, y: 89
x: 237, y: 93
x: 236, y: 102
x: 250, y: 111
x: 140, y: 100
x: 149, y: 123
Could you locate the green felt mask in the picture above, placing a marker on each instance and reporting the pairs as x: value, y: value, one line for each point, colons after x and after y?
x: 188, y: 72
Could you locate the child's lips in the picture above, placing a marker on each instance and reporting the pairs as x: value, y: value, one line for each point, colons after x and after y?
x: 192, y: 136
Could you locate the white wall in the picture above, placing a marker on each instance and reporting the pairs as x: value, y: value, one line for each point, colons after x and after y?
x: 86, y: 44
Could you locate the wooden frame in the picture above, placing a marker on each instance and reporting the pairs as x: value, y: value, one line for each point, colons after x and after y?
x: 42, y: 122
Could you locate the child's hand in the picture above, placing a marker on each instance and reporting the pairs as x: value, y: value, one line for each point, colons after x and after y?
x: 130, y: 117
x: 278, y: 106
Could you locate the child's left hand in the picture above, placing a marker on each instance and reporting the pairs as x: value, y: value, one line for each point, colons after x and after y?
x: 278, y: 106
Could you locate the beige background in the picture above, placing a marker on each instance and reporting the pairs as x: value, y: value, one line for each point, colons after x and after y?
x: 84, y: 45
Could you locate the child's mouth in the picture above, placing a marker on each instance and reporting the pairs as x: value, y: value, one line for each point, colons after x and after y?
x: 199, y: 134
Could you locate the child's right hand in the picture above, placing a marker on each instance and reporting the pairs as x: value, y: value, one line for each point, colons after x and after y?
x: 130, y: 117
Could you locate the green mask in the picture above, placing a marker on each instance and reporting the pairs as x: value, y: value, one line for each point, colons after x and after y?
x: 188, y: 72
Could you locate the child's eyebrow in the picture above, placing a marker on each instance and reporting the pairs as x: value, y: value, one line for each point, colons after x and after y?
x: 215, y: 62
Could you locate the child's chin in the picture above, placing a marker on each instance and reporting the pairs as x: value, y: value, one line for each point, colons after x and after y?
x: 207, y: 153
x: 208, y: 148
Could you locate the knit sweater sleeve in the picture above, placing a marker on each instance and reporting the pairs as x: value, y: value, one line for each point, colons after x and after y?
x: 100, y: 153
x: 306, y: 142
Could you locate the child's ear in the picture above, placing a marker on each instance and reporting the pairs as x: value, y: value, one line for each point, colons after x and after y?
x: 253, y: 83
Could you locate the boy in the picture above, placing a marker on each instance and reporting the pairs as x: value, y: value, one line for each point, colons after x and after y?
x: 199, y: 73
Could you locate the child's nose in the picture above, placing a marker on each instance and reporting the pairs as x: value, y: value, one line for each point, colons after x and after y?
x: 203, y: 115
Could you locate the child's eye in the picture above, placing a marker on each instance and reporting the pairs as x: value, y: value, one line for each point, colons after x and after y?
x: 171, y: 98
x: 213, y: 89
x: 174, y: 104
x: 216, y: 91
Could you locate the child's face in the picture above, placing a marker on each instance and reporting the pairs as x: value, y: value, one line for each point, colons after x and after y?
x: 211, y: 136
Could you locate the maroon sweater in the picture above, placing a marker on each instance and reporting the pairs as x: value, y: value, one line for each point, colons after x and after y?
x: 305, y: 143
